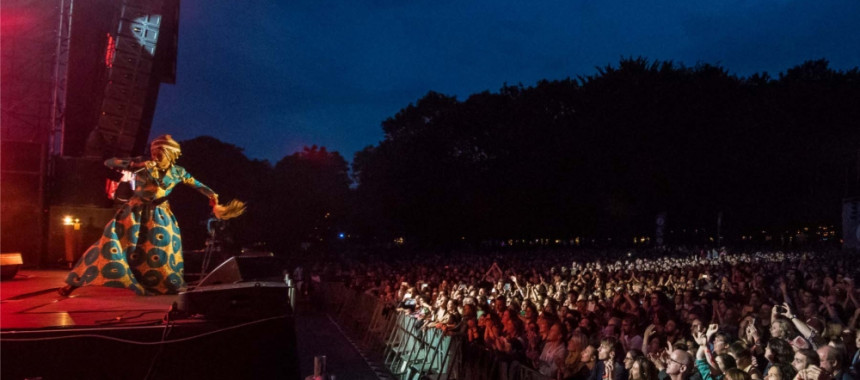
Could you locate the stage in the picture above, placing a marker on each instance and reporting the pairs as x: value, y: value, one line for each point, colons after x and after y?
x: 30, y: 301
x: 100, y: 332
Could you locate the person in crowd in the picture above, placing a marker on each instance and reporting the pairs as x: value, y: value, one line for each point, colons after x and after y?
x: 631, y: 357
x: 679, y: 365
x: 833, y: 363
x: 804, y: 358
x: 576, y: 345
x: 551, y: 359
x: 609, y: 365
x: 711, y: 366
x: 781, y: 372
x: 642, y: 369
x: 512, y: 343
x: 587, y: 363
x: 652, y: 341
x: 809, y: 329
x: 720, y: 340
x: 781, y: 327
x: 778, y: 351
x: 630, y: 338
x: 450, y: 319
x: 493, y: 333
x: 737, y: 374
x: 744, y: 359
x: 473, y: 332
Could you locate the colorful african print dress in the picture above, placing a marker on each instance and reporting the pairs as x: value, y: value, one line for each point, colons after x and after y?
x: 141, y: 248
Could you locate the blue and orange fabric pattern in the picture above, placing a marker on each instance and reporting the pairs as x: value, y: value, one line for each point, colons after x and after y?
x: 141, y: 247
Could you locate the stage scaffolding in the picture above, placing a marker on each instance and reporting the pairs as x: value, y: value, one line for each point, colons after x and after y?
x: 34, y: 36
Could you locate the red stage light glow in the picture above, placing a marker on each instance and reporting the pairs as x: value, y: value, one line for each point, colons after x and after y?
x: 15, y: 21
x: 110, y: 51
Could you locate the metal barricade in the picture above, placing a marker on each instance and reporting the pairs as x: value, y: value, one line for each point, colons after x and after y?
x: 411, y: 351
x: 374, y: 337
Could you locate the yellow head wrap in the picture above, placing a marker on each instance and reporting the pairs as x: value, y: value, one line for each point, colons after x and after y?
x: 167, y: 145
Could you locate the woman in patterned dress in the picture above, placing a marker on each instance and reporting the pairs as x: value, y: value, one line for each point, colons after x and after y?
x: 141, y: 247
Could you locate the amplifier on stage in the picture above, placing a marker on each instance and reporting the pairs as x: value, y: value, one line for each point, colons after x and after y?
x: 240, y: 288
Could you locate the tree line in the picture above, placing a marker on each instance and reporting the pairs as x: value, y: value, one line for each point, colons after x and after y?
x: 597, y: 155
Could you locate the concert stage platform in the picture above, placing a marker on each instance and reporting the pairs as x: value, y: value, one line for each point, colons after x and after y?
x: 108, y: 333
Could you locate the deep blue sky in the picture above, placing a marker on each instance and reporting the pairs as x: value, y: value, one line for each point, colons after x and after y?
x: 274, y: 76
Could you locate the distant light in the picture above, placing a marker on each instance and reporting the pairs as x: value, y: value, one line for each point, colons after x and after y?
x: 68, y: 220
x: 341, y: 235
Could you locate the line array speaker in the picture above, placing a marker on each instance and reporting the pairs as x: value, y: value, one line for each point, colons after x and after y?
x: 130, y: 79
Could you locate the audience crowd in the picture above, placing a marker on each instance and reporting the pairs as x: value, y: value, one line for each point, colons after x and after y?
x: 595, y: 315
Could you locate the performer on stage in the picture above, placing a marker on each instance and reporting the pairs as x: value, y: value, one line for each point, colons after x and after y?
x: 141, y: 248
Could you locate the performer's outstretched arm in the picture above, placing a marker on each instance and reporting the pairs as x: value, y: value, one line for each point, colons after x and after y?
x: 230, y: 210
x: 188, y: 180
x: 125, y: 163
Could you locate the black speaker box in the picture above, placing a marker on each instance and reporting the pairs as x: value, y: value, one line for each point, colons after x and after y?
x: 245, y: 268
x: 241, y: 288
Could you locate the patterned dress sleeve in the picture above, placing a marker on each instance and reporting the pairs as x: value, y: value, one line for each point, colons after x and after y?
x: 188, y: 180
x: 121, y: 163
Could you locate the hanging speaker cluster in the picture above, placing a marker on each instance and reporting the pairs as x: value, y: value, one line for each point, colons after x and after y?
x: 131, y: 79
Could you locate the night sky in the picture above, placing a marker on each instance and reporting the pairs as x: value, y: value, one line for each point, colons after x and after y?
x: 274, y: 76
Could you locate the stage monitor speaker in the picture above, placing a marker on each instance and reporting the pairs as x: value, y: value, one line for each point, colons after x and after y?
x: 9, y: 265
x: 241, y: 288
x: 244, y: 269
x: 240, y: 301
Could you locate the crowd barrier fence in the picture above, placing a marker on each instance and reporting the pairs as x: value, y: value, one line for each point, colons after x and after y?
x: 411, y: 351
